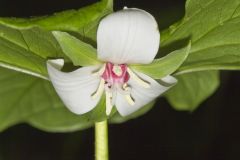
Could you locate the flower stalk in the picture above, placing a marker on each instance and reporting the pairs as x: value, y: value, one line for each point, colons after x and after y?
x: 101, y: 140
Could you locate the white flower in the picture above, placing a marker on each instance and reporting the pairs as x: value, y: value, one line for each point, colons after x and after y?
x: 129, y: 36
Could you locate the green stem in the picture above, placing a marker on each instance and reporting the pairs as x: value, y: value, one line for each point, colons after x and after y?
x: 101, y: 140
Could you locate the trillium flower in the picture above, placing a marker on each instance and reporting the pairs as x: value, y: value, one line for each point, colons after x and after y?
x: 126, y: 37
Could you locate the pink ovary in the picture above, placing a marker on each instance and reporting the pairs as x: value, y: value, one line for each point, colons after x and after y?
x: 112, y: 78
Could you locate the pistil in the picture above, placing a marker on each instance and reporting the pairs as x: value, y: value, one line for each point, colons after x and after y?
x: 117, y: 70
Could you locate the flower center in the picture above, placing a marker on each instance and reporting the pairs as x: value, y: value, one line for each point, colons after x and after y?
x: 115, y: 74
x: 114, y: 78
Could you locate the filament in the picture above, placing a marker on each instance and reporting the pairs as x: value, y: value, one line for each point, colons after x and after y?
x: 129, y: 99
x: 100, y: 71
x: 138, y: 79
x: 100, y: 89
x: 109, y: 104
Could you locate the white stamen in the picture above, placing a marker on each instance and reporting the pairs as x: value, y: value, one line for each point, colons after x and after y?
x: 129, y: 99
x: 108, y: 87
x: 123, y: 89
x: 126, y: 91
x: 138, y: 79
x: 117, y: 70
x: 109, y: 104
x: 114, y: 96
x: 100, y: 89
x: 100, y: 71
x: 125, y: 86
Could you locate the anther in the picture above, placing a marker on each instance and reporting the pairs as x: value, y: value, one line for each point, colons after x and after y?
x: 126, y: 87
x: 129, y: 99
x: 100, y: 89
x: 138, y: 79
x: 100, y: 71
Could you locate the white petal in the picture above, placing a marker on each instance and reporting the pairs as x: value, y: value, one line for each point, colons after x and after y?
x: 75, y: 88
x: 128, y: 36
x: 141, y: 95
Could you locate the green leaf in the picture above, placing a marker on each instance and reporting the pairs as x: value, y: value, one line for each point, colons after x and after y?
x: 27, y: 50
x: 192, y: 89
x: 165, y: 65
x: 213, y: 27
x: 28, y: 99
x: 80, y: 53
x: 33, y: 100
x: 83, y: 21
x: 25, y: 46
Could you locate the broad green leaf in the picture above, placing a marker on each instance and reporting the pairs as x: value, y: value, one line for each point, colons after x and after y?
x: 28, y: 99
x: 25, y: 46
x: 80, y: 53
x: 213, y: 27
x: 83, y: 21
x: 33, y: 100
x: 192, y: 89
x: 165, y: 65
x: 27, y: 50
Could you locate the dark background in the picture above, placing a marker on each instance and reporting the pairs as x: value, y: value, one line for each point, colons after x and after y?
x: 212, y: 132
